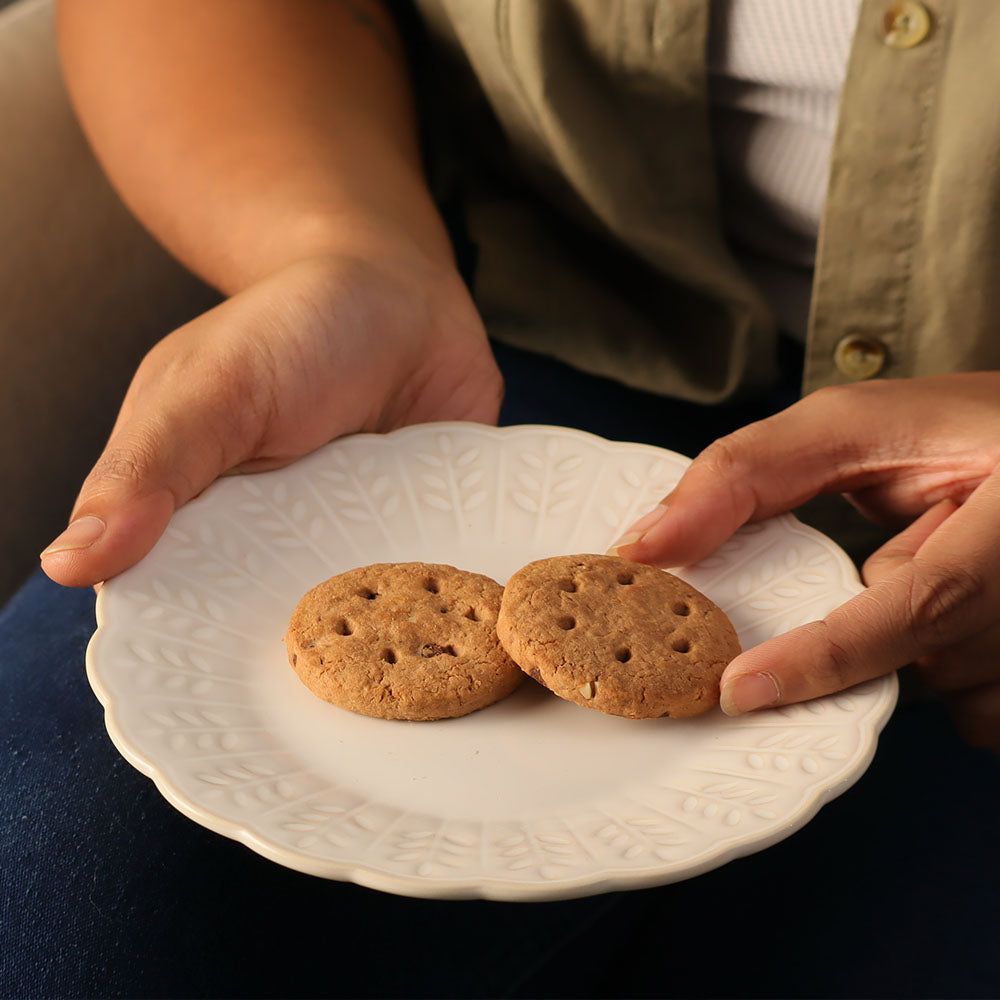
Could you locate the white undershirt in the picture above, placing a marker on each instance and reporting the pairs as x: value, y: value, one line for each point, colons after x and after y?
x: 776, y: 69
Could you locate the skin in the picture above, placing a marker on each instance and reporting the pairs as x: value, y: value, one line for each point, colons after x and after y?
x: 919, y: 455
x: 272, y: 147
x: 299, y: 193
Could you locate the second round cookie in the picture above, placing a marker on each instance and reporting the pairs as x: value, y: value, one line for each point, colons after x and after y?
x: 617, y: 636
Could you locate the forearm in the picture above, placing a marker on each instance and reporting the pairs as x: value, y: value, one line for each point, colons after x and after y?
x: 250, y: 133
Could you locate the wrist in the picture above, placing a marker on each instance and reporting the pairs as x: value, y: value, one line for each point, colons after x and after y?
x: 371, y: 235
x: 417, y: 238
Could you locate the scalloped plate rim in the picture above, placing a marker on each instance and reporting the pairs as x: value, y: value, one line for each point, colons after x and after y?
x: 482, y: 886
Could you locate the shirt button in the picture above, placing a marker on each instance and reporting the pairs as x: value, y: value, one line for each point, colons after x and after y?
x: 905, y: 24
x: 860, y: 357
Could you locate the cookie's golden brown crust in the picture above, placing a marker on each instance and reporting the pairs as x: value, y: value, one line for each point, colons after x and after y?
x: 618, y: 636
x: 402, y: 641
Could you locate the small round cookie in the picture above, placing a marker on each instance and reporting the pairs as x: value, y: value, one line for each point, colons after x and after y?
x: 402, y: 641
x: 618, y: 636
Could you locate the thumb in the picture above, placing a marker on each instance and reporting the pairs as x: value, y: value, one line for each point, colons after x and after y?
x: 192, y: 411
x: 145, y: 473
x: 944, y: 591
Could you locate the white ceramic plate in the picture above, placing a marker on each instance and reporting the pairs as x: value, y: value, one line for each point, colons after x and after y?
x: 533, y: 798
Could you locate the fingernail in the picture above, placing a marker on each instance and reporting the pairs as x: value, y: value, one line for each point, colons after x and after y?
x: 81, y: 533
x: 749, y: 692
x: 637, y: 530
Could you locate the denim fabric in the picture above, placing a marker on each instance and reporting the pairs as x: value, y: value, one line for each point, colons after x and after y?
x: 107, y: 891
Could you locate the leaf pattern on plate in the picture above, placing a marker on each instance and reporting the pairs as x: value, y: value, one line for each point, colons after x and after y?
x: 439, y: 849
x: 545, y: 853
x: 642, y: 839
x: 638, y: 487
x: 783, y: 750
x: 362, y: 493
x: 449, y: 480
x: 285, y: 522
x: 546, y: 481
x: 730, y: 803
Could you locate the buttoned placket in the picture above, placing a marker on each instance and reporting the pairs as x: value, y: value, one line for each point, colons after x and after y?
x: 859, y: 325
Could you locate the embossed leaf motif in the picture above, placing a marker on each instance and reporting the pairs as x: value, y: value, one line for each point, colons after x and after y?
x: 180, y: 609
x: 788, y: 749
x: 280, y: 527
x: 203, y: 743
x: 309, y: 820
x: 643, y: 838
x: 169, y: 681
x: 217, y: 560
x: 547, y: 486
x: 258, y: 783
x: 547, y: 854
x: 779, y: 587
x: 445, y: 850
x: 189, y: 718
x: 361, y: 494
x: 638, y: 488
x: 357, y: 826
x: 727, y: 553
x: 334, y: 816
x: 450, y: 482
x: 727, y: 802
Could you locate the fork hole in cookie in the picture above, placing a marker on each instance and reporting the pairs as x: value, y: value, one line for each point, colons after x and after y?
x: 566, y: 623
x: 367, y: 594
x: 568, y: 585
x: 681, y: 645
x: 471, y: 615
x: 681, y: 609
x: 623, y: 654
x: 431, y: 586
x: 389, y: 655
x: 343, y: 627
x: 430, y: 649
x: 626, y: 578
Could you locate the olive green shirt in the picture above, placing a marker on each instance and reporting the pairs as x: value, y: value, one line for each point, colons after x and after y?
x: 577, y: 143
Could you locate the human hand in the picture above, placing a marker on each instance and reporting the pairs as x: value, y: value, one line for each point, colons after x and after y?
x: 323, y: 347
x: 919, y: 452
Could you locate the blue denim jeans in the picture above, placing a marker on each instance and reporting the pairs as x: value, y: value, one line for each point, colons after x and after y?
x: 107, y: 891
